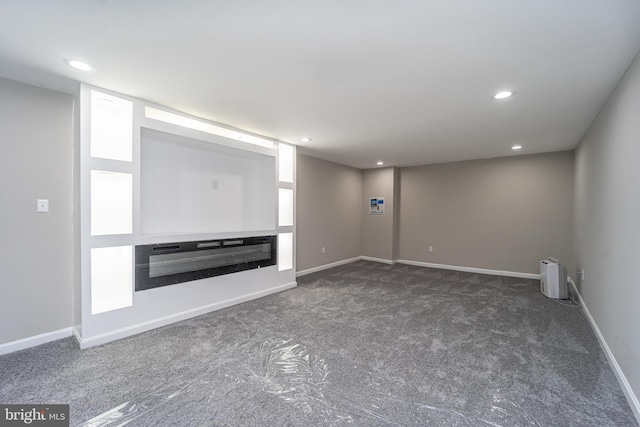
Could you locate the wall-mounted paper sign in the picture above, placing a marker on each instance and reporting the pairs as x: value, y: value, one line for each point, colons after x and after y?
x: 377, y: 205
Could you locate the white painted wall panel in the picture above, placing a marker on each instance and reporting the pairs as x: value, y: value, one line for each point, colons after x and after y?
x: 190, y: 187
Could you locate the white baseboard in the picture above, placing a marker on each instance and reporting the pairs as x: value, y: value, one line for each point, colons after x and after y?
x: 342, y: 262
x: 471, y: 269
x: 382, y: 260
x: 167, y: 320
x: 421, y: 264
x: 622, y: 379
x: 33, y: 341
x: 326, y: 266
x: 77, y: 333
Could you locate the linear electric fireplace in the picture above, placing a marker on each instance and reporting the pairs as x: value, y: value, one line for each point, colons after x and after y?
x: 170, y: 263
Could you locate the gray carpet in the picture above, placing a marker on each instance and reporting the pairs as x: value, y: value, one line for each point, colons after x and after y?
x: 364, y: 344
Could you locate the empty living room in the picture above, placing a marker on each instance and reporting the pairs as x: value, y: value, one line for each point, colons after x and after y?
x: 319, y: 213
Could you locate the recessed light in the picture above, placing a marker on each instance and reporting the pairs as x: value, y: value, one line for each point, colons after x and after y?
x: 380, y: 163
x: 504, y: 94
x: 305, y: 139
x: 516, y: 147
x: 78, y: 65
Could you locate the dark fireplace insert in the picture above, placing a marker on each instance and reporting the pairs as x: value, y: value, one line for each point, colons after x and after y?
x: 170, y: 263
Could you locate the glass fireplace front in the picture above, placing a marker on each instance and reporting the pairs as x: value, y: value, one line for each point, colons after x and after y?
x: 170, y: 263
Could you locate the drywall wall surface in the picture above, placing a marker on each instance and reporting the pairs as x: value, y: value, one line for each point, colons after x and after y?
x: 328, y: 211
x: 396, y: 213
x: 190, y: 186
x: 500, y: 214
x: 36, y: 127
x: 607, y: 222
x: 77, y: 234
x: 377, y: 229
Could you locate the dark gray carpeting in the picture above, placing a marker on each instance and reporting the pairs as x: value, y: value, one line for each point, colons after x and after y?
x: 363, y: 344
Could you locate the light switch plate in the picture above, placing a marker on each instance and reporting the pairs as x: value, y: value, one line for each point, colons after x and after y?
x: 42, y: 205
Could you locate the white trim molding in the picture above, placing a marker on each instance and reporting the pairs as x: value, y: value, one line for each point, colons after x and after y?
x: 167, y: 320
x: 77, y: 333
x: 35, y: 340
x: 471, y: 269
x: 622, y: 379
x: 326, y: 266
x: 420, y: 264
x: 383, y: 261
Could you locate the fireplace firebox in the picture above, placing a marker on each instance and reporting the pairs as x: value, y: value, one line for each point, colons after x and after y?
x: 171, y: 263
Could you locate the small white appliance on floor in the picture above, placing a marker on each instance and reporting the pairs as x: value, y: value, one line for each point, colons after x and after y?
x: 553, y: 279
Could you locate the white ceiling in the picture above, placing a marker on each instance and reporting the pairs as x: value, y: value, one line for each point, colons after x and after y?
x: 406, y: 82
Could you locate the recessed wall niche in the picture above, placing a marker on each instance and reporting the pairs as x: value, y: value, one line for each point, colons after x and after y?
x: 111, y: 203
x: 111, y: 124
x: 189, y: 186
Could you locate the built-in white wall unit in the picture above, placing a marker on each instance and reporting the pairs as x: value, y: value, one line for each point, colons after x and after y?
x: 286, y: 207
x: 151, y: 177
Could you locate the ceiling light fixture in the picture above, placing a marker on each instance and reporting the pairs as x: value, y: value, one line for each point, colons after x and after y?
x: 504, y: 94
x: 79, y: 65
x: 380, y: 163
x: 305, y: 139
x: 516, y: 147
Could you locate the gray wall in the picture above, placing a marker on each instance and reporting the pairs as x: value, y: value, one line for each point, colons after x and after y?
x: 607, y: 222
x: 328, y: 212
x: 36, y: 258
x: 501, y: 214
x: 396, y: 213
x: 378, y: 230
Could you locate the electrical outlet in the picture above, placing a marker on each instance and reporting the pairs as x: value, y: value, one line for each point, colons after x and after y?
x: 323, y: 249
x: 214, y: 184
x: 430, y: 248
x: 42, y: 205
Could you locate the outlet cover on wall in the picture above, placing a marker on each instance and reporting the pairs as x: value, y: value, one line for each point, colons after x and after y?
x: 430, y: 248
x: 42, y: 205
